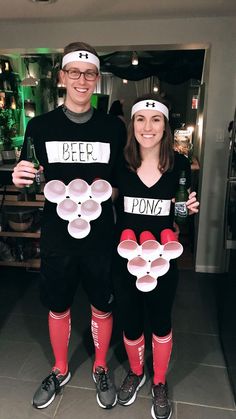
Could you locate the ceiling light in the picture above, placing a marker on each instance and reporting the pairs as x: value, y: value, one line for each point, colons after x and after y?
x: 43, y: 1
x: 134, y: 58
x: 190, y: 128
x: 29, y: 80
x: 125, y: 81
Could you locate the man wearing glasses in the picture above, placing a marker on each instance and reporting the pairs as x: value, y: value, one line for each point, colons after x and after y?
x: 75, y: 141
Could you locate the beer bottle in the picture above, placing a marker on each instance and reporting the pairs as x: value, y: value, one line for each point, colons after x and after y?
x: 181, y: 210
x: 35, y: 187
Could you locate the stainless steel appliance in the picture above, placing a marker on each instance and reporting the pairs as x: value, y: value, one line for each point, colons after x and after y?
x: 227, y: 283
x: 230, y: 204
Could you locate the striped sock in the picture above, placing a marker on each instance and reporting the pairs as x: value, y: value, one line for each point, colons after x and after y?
x: 101, y: 327
x: 161, y: 350
x: 59, y: 331
x: 135, y: 353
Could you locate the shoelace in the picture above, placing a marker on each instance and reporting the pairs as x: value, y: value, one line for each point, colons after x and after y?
x: 129, y: 381
x: 103, y: 380
x: 160, y: 395
x: 48, y: 380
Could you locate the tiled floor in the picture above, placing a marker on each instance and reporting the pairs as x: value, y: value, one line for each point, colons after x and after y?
x: 198, y: 380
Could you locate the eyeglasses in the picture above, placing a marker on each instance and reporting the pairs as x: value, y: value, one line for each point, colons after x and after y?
x: 75, y: 74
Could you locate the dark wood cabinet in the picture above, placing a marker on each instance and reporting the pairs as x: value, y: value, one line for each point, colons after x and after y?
x: 13, y: 204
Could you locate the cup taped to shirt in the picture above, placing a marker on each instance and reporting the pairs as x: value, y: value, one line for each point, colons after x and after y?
x: 148, y: 259
x: 78, y: 202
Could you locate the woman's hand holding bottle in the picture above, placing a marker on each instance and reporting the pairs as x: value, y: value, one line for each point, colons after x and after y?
x: 192, y: 203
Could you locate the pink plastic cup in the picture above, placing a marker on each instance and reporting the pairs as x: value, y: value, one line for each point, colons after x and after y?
x: 128, y: 247
x: 146, y: 283
x: 159, y: 267
x: 78, y: 189
x: 90, y: 210
x: 67, y: 209
x: 137, y: 266
x: 101, y: 190
x: 79, y: 228
x: 55, y: 191
x: 172, y: 250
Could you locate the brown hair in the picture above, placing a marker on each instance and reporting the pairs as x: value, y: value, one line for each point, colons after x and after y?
x: 79, y: 46
x: 132, y: 151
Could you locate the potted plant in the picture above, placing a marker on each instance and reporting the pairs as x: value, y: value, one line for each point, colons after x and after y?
x: 8, y: 131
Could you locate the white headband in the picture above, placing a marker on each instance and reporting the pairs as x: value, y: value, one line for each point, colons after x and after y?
x: 150, y: 105
x: 84, y: 56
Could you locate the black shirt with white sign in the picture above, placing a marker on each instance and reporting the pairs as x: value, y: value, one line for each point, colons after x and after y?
x: 143, y: 208
x: 68, y: 150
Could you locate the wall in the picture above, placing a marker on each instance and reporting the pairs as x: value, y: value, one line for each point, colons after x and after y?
x: 217, y: 34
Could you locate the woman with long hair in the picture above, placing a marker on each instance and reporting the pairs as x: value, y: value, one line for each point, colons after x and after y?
x: 147, y: 183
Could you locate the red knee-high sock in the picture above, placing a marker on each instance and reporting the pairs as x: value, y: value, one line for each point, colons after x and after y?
x: 161, y: 351
x: 101, y: 327
x: 59, y: 331
x: 135, y: 353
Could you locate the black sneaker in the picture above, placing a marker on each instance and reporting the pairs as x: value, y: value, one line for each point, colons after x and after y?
x: 50, y: 386
x: 106, y: 391
x: 129, y: 388
x: 161, y: 407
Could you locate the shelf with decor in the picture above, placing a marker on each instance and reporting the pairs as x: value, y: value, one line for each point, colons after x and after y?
x: 11, y: 111
x: 20, y: 228
x: 30, y: 263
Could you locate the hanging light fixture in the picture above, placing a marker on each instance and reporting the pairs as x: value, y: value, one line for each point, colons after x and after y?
x: 29, y: 80
x: 43, y: 1
x: 155, y: 84
x: 134, y: 58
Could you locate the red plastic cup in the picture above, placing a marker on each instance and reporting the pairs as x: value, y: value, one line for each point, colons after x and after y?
x: 159, y: 267
x: 128, y: 234
x: 146, y: 283
x: 172, y: 249
x: 137, y: 266
x: 145, y: 236
x: 128, y: 247
x: 168, y: 235
x: 150, y: 246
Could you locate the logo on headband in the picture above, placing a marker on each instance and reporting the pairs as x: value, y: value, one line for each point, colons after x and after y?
x: 150, y: 104
x: 81, y: 55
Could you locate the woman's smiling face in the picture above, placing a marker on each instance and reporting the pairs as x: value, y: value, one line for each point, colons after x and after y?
x: 149, y: 127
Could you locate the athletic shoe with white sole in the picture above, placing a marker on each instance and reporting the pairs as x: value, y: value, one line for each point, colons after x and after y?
x: 106, y: 391
x: 129, y: 388
x: 50, y: 386
x: 161, y: 406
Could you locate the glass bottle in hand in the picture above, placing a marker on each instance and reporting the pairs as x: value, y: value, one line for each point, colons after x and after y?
x: 35, y: 187
x: 181, y: 196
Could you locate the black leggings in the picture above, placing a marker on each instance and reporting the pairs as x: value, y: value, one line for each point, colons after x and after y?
x: 132, y: 303
x: 61, y: 274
